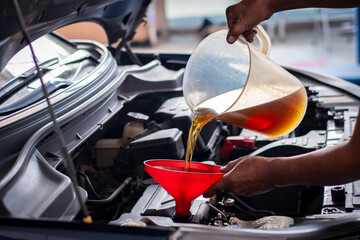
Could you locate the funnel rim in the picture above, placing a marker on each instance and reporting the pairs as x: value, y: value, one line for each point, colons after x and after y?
x: 181, y: 172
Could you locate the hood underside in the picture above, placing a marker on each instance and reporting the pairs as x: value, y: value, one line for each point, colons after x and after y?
x: 118, y: 18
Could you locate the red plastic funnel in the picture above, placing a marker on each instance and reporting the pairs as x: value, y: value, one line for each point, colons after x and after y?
x: 183, y: 186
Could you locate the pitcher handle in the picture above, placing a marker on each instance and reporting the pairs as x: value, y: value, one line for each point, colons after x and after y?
x: 264, y: 39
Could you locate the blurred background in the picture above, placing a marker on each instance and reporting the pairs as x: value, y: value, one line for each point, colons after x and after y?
x: 318, y: 40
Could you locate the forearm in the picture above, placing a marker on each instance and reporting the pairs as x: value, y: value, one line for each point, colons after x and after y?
x: 330, y: 166
x: 243, y: 16
x: 281, y: 5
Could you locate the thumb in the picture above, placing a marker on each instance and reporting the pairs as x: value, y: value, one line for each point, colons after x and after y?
x: 234, y: 32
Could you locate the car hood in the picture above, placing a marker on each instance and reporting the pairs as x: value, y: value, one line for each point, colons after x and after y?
x: 119, y: 18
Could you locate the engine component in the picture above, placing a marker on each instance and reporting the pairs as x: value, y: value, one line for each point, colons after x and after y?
x: 161, y: 144
x: 338, y: 193
x: 211, y: 137
x: 265, y: 223
x: 106, y: 150
x: 134, y: 126
x: 201, y: 214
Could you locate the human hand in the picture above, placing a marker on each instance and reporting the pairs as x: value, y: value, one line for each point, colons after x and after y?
x: 246, y: 176
x: 244, y: 16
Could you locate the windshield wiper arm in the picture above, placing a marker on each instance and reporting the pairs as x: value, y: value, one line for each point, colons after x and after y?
x: 24, y: 79
x: 34, y: 96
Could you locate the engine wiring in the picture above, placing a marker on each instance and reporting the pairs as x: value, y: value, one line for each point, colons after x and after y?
x: 246, y: 208
x: 89, y: 184
x: 212, y: 207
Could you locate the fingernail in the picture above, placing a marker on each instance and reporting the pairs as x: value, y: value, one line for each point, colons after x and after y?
x: 231, y: 39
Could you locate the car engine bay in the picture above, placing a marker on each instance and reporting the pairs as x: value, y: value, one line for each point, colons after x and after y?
x: 117, y: 108
x: 139, y: 113
x: 153, y: 124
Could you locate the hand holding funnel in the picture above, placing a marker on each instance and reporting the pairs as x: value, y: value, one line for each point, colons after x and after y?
x: 183, y: 186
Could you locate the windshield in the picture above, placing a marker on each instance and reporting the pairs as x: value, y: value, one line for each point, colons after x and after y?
x: 61, y: 64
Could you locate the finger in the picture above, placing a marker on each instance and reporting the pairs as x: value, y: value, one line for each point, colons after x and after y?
x: 230, y: 166
x: 234, y: 22
x: 219, y: 185
x: 210, y: 192
x: 249, y: 35
x: 230, y: 16
x: 234, y: 32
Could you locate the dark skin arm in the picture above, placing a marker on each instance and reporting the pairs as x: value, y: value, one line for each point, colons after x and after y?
x: 251, y: 175
x: 329, y: 166
x: 245, y: 15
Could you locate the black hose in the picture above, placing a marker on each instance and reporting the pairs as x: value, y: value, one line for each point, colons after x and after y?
x: 92, y: 189
x: 250, y: 209
x: 248, y: 215
x: 216, y: 210
x: 112, y: 196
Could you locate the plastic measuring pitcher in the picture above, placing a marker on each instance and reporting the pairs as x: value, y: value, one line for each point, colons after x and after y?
x: 240, y: 85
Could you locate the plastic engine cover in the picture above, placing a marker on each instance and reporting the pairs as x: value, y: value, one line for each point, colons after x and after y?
x: 161, y: 144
